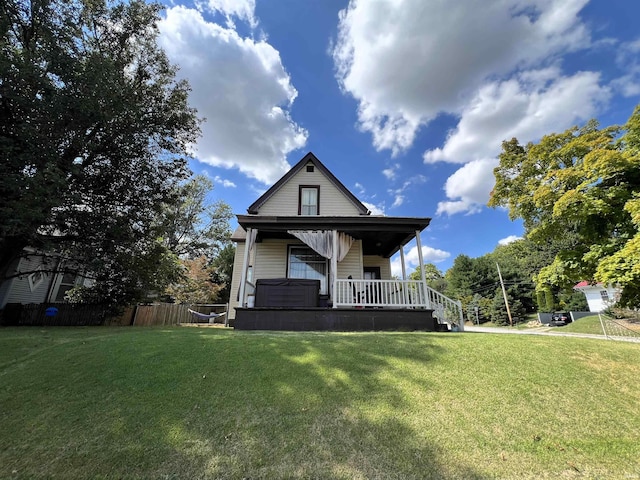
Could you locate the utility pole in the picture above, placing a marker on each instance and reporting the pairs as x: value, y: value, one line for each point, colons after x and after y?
x: 504, y: 294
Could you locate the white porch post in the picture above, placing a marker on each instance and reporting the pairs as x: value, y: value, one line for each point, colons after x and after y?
x: 245, y: 266
x: 404, y: 267
x: 334, y: 269
x: 423, y: 276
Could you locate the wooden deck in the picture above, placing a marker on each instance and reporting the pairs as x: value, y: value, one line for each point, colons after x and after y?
x: 336, y: 319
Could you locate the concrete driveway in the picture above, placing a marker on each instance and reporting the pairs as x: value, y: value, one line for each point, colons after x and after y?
x: 549, y: 331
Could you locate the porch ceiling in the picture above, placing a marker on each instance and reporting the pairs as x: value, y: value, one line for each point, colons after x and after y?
x: 380, y: 235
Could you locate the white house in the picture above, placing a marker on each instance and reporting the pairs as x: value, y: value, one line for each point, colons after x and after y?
x: 598, y: 296
x: 311, y: 256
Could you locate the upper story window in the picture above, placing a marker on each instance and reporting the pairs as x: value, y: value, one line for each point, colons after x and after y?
x: 309, y: 203
x: 604, y: 295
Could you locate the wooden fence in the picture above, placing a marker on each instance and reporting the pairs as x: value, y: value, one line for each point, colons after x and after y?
x: 75, y: 314
x: 160, y: 314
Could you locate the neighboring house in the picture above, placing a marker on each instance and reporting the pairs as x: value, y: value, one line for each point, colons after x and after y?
x: 598, y: 296
x: 37, y: 284
x: 308, y: 244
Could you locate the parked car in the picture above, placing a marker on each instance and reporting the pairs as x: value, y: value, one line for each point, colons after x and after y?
x: 560, y: 319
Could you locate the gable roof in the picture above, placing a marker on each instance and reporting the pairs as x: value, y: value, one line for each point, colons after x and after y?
x: 309, y: 157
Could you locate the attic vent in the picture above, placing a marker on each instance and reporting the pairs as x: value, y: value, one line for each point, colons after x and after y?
x: 309, y: 168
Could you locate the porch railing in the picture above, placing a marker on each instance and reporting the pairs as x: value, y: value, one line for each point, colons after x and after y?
x: 397, y: 294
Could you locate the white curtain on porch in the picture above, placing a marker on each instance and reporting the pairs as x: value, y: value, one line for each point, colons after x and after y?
x: 321, y: 241
x: 251, y: 239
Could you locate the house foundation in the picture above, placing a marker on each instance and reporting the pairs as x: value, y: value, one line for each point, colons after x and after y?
x: 333, y: 319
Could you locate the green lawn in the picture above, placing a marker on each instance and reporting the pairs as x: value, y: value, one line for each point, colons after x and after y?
x: 190, y: 403
x: 590, y: 324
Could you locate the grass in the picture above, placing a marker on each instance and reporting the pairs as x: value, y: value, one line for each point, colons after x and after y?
x: 211, y: 403
x: 590, y: 324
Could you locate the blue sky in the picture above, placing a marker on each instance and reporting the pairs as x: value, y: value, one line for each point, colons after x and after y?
x: 405, y: 101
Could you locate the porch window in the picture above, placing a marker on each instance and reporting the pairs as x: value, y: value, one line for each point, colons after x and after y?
x: 305, y: 263
x: 309, y: 200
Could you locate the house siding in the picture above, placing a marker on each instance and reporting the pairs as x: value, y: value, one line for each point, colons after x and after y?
x: 284, y: 202
x: 19, y: 290
x: 271, y: 258
x: 594, y: 297
x: 377, y: 261
x: 351, y: 264
x: 235, y: 280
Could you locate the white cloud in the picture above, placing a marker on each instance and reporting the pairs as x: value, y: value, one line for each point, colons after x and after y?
x: 406, y: 62
x: 509, y: 239
x: 627, y: 58
x: 375, y: 209
x: 397, y: 201
x: 360, y: 188
x: 429, y: 255
x: 391, y: 172
x: 527, y: 107
x: 399, y: 195
x: 536, y: 103
x: 224, y: 182
x: 494, y: 64
x: 240, y: 86
x: 468, y: 188
x: 242, y: 9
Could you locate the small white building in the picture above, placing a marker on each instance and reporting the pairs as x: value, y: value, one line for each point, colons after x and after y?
x: 598, y: 295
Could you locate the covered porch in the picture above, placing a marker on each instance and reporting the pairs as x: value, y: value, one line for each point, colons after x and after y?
x: 359, y: 300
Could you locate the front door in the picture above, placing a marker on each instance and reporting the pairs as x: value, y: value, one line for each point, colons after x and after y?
x: 371, y: 273
x: 372, y: 290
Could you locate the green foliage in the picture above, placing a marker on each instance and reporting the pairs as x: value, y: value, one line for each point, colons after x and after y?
x: 498, y: 310
x: 580, y: 186
x: 222, y: 266
x: 105, y: 144
x: 474, y: 280
x: 435, y: 278
x: 192, y: 226
x: 197, y: 232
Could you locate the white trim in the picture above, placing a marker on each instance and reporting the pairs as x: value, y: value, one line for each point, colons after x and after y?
x: 334, y: 263
x: 36, y: 279
x: 245, y: 264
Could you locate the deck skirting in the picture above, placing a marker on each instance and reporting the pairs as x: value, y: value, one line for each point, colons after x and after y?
x: 337, y: 319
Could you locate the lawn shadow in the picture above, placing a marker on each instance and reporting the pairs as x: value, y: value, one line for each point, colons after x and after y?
x: 329, y: 405
x: 210, y: 403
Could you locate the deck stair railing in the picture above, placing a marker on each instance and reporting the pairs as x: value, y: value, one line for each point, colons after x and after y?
x: 397, y: 294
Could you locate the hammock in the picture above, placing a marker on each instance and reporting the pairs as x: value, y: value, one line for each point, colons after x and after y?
x: 204, y: 316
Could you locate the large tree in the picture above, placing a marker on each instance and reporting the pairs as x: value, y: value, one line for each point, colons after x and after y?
x: 435, y: 278
x: 196, y: 230
x: 193, y: 226
x: 580, y: 188
x: 94, y: 134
